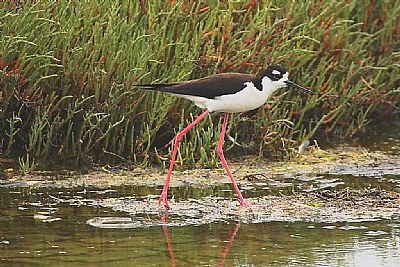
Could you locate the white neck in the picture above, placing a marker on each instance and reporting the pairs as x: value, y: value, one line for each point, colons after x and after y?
x: 271, y: 86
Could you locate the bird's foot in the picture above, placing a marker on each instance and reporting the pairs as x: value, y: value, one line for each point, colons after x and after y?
x: 163, y: 201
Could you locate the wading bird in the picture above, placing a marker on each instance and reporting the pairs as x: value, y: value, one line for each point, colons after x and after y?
x: 227, y: 93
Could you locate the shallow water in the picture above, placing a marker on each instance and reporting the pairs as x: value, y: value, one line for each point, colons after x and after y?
x: 37, y: 229
x: 60, y: 226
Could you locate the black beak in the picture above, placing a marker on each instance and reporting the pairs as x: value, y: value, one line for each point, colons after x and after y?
x: 299, y: 88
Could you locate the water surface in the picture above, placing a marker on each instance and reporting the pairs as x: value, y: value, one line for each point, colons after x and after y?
x: 49, y: 226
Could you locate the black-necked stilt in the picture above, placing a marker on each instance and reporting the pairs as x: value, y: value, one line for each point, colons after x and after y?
x: 228, y: 93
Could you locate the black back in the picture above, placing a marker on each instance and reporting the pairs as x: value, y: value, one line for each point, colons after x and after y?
x: 209, y: 87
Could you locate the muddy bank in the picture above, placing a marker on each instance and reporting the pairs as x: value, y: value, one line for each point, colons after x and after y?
x: 310, y: 187
x: 339, y: 161
x: 322, y: 207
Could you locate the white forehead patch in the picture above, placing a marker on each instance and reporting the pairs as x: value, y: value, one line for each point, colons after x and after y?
x: 277, y: 72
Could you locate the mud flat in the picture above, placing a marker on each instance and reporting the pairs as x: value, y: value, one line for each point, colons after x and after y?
x: 322, y: 200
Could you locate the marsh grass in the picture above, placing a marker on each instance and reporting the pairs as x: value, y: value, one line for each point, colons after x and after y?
x: 66, y: 70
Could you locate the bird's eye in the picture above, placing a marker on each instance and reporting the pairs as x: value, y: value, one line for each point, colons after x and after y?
x: 277, y: 76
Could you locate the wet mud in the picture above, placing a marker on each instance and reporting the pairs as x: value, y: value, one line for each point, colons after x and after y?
x: 309, y: 188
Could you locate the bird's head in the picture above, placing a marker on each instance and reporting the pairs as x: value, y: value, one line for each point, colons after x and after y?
x: 275, y: 77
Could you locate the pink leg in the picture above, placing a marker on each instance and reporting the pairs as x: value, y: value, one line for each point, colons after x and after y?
x: 179, y: 136
x: 222, y: 157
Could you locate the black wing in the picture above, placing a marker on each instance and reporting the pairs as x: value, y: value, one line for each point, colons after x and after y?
x: 208, y: 87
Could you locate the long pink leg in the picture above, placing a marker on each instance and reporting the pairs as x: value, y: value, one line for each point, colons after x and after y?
x: 179, y: 136
x: 222, y: 157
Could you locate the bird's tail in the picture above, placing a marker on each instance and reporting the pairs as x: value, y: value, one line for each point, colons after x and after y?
x: 163, y: 87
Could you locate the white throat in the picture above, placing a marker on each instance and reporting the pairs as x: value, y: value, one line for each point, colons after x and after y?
x: 269, y: 86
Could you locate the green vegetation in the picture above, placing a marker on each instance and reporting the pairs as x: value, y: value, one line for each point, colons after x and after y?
x: 66, y: 69
x: 25, y: 165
